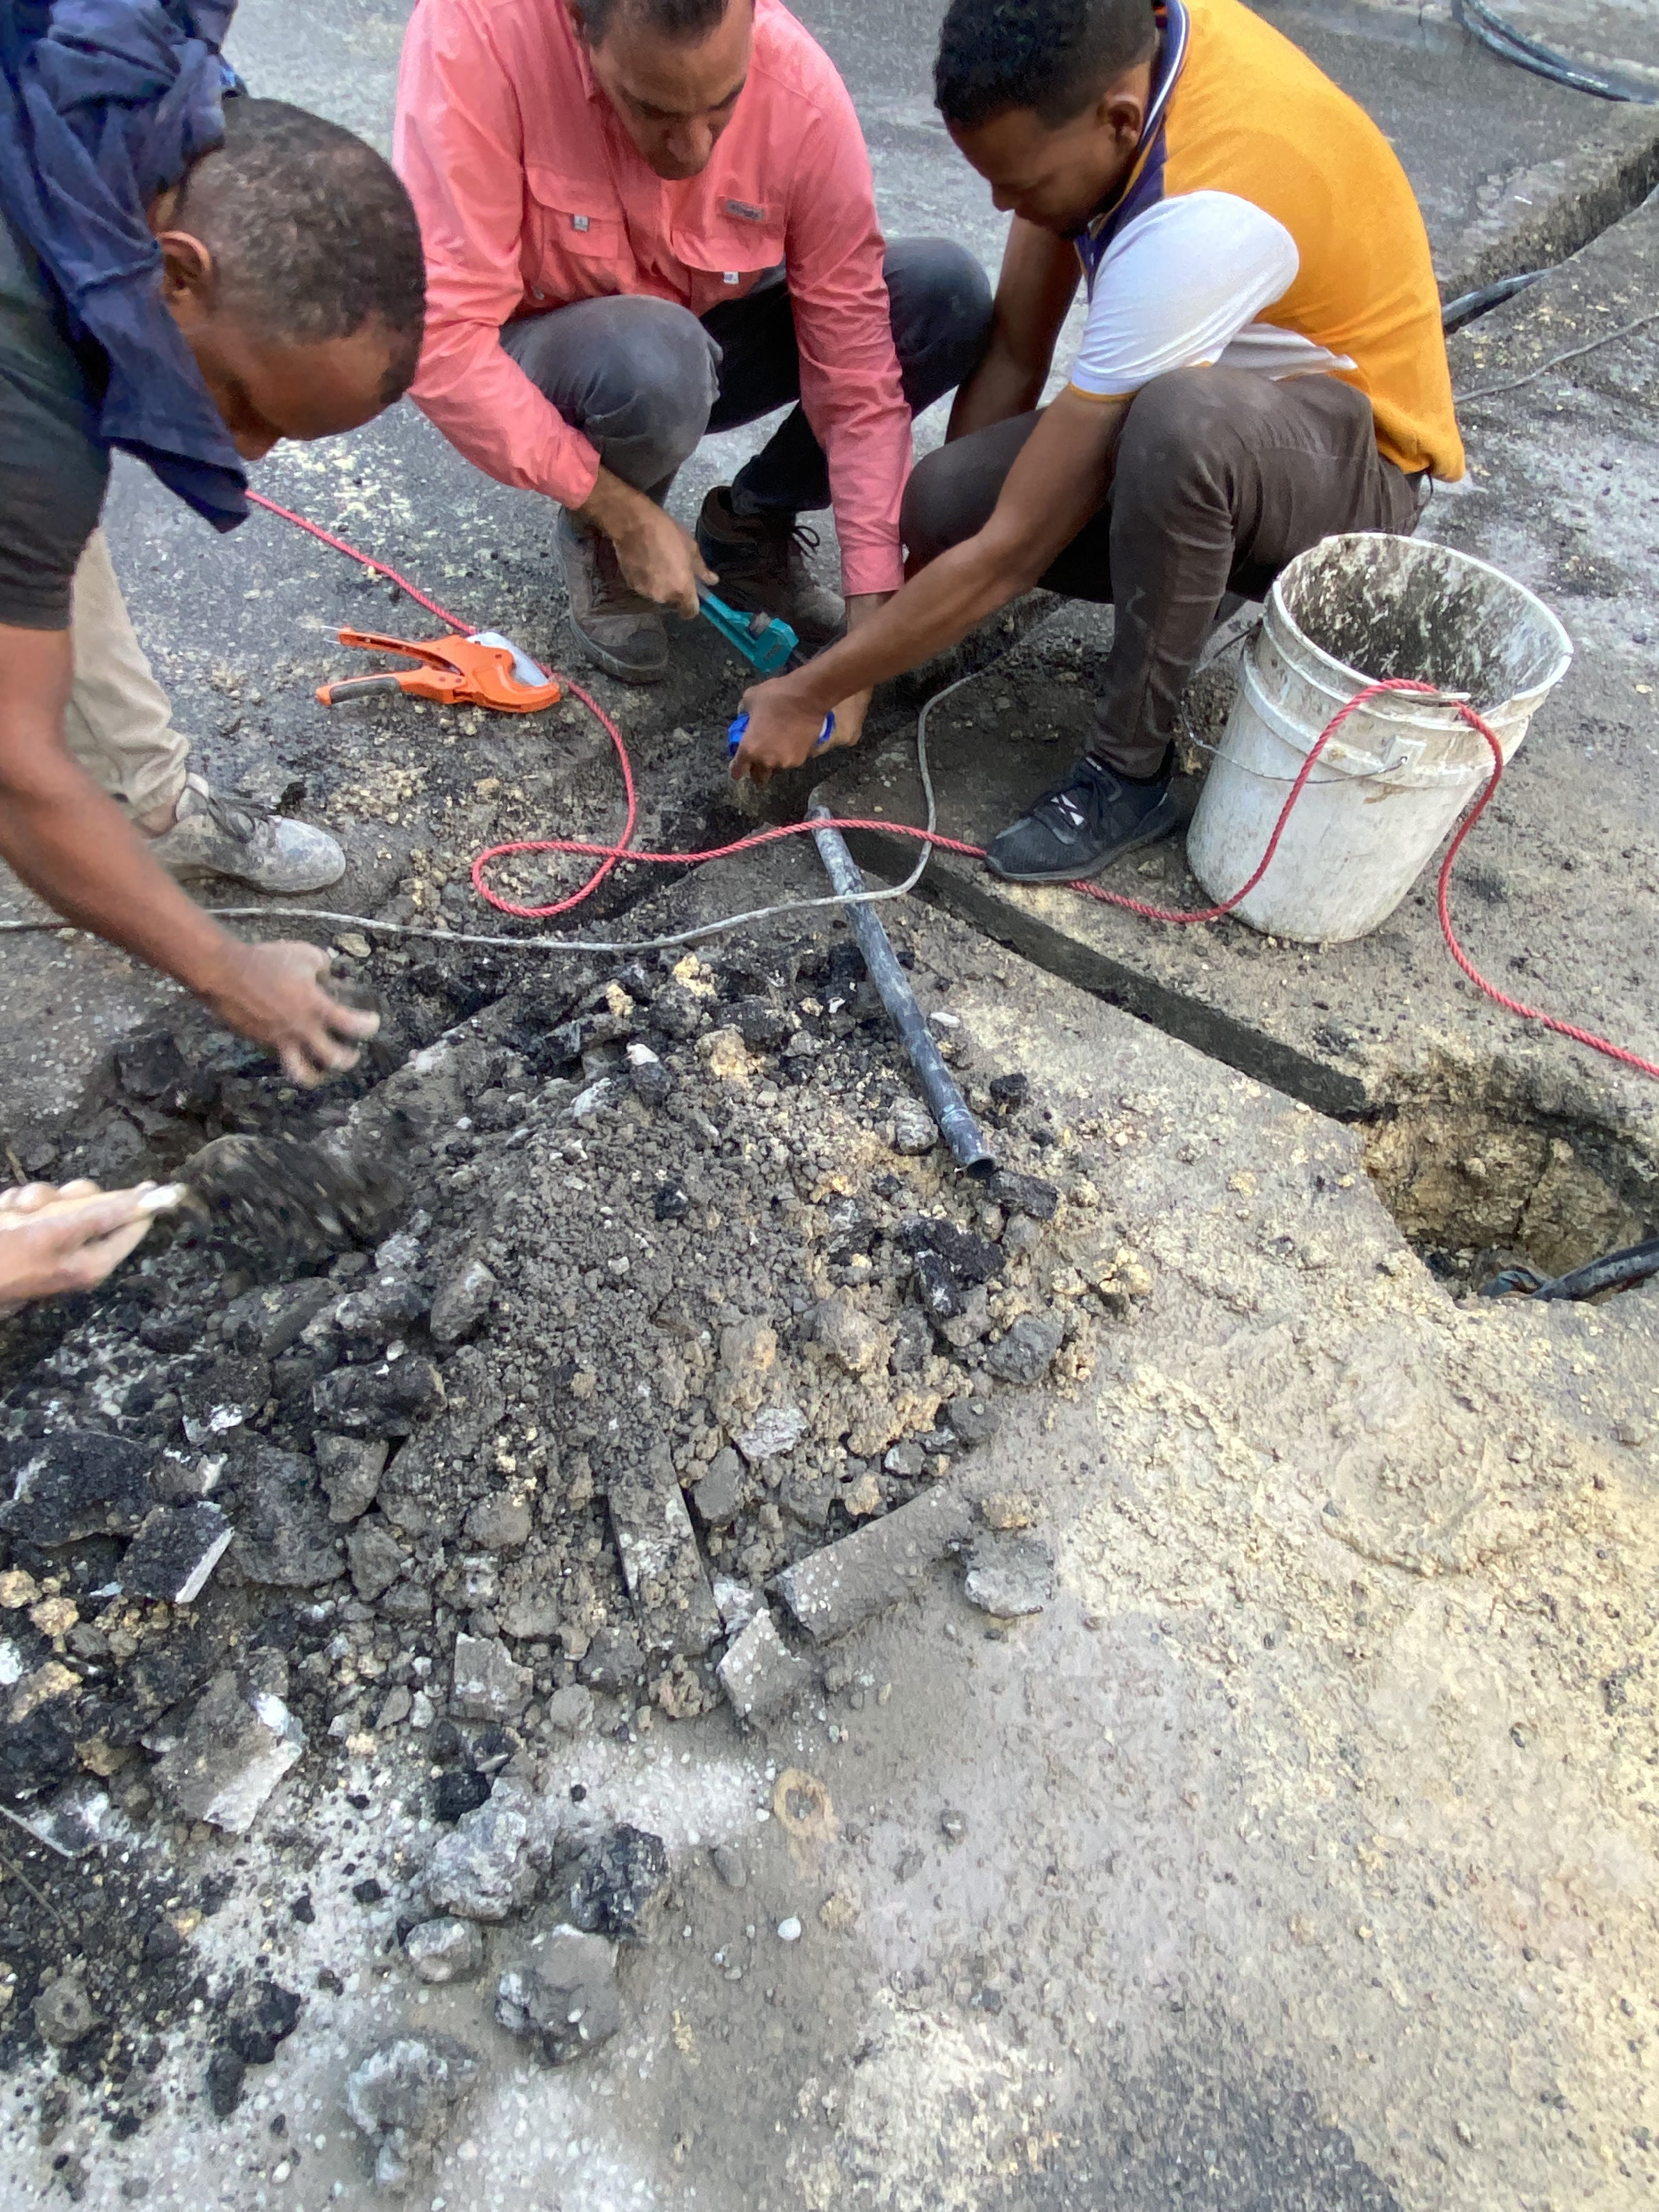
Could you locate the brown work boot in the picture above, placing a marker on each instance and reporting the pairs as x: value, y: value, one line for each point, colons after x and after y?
x: 620, y: 631
x: 761, y: 562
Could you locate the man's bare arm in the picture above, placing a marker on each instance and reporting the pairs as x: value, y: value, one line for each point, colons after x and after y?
x: 71, y: 843
x: 1036, y: 284
x: 1060, y: 479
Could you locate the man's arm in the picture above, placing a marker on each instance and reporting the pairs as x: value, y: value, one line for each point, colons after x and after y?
x: 1036, y: 285
x: 1060, y: 478
x: 849, y: 373
x: 71, y: 844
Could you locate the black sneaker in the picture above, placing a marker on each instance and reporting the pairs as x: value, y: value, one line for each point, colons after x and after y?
x: 1081, y: 827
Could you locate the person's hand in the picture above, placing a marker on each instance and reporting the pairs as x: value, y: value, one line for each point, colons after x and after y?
x: 45, y: 1255
x: 783, y: 730
x: 658, y: 556
x: 275, y: 994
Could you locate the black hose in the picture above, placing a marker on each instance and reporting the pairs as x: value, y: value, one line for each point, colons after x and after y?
x: 1617, y: 1271
x: 1469, y: 305
x: 946, y: 1102
x: 1488, y: 26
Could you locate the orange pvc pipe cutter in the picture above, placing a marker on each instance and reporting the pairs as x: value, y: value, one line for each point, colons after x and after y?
x: 484, y: 669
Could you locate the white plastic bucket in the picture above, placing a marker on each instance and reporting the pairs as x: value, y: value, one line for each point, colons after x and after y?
x: 1388, y: 786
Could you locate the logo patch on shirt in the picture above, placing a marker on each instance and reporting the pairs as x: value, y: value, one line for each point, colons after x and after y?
x: 749, y: 214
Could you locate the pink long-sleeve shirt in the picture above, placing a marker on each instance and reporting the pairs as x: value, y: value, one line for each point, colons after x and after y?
x: 531, y: 196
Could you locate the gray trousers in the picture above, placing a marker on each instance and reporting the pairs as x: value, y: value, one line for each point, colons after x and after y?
x: 644, y: 379
x: 1222, y: 478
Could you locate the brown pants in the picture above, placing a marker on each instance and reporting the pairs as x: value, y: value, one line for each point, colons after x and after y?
x: 118, y: 725
x: 1222, y: 478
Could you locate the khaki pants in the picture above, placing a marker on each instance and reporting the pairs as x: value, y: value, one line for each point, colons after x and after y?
x: 118, y: 724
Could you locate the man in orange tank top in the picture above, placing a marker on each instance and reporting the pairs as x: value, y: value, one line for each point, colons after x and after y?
x: 1261, y: 365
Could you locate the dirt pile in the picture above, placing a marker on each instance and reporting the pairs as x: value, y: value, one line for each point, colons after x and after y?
x: 687, y: 1292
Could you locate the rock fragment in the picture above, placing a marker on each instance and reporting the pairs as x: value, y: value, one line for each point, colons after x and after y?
x: 283, y: 1531
x: 404, y: 2096
x: 831, y: 1590
x: 760, y: 1675
x: 176, y: 1549
x: 729, y: 1866
x: 385, y: 1400
x: 661, y: 1561
x: 500, y: 1523
x: 377, y: 1558
x: 915, y: 1131
x: 77, y: 1484
x: 462, y: 1303
x: 773, y: 1430
x: 621, y: 1877
x: 225, y: 2075
x: 1026, y: 1353
x: 265, y: 2016
x: 64, y: 2012
x: 570, y: 1711
x: 1009, y: 1576
x: 488, y: 1683
x: 350, y: 1468
x: 563, y: 1998
x: 492, y: 1863
x: 719, y: 1495
x: 240, y: 1741
x: 1025, y: 1193
x: 447, y: 1949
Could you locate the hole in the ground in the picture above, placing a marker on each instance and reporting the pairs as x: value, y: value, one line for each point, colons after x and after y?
x: 1474, y: 1192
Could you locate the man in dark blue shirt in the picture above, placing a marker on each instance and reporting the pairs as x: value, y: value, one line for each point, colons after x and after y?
x: 189, y: 286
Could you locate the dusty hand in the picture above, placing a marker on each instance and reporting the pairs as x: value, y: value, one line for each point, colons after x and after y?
x: 659, y: 557
x: 71, y: 1248
x: 781, y: 733
x: 275, y: 994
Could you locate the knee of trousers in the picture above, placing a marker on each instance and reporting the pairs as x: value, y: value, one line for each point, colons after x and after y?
x: 941, y: 506
x: 940, y: 300
x: 1183, y: 433
x: 649, y: 380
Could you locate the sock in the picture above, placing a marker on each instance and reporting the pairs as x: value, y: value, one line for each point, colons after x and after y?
x: 1159, y: 774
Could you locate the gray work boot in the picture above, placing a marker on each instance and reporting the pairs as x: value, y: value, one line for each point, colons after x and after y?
x: 761, y: 562
x: 620, y: 631
x: 213, y: 835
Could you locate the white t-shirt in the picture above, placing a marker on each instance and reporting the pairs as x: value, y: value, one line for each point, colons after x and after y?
x: 1181, y: 287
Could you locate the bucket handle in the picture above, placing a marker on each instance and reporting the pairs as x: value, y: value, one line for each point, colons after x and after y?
x: 1405, y: 754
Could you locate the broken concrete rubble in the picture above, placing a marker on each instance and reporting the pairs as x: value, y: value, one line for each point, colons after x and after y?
x: 240, y: 1741
x: 563, y: 1998
x: 660, y: 1560
x: 1008, y: 1575
x: 462, y: 1303
x: 350, y: 1468
x: 447, y: 1949
x: 759, y: 1674
x: 403, y: 2095
x: 832, y: 1590
x: 76, y: 1484
x: 621, y: 1875
x: 174, y: 1551
x: 487, y: 1683
x: 492, y: 1864
x: 283, y: 1534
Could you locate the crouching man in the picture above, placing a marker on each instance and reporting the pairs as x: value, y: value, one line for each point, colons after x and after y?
x: 646, y: 220
x: 1261, y: 365
x: 191, y: 278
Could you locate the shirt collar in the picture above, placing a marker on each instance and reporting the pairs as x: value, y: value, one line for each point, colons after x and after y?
x: 1175, y: 26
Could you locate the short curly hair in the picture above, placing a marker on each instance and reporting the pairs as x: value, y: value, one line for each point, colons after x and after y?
x: 1055, y: 56
x: 312, y: 232
x: 688, y: 22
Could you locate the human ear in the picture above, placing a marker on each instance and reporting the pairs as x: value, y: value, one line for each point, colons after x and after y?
x: 187, y: 275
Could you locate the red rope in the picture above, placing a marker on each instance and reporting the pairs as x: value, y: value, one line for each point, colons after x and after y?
x: 613, y: 856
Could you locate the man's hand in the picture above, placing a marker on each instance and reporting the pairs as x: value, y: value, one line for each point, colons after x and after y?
x: 849, y: 713
x: 783, y: 728
x: 73, y: 1246
x: 274, y: 993
x: 658, y: 556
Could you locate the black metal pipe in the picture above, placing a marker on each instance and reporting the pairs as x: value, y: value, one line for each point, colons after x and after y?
x: 946, y: 1102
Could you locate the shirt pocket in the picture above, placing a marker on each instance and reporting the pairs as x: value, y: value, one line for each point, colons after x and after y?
x: 725, y: 251
x: 576, y: 243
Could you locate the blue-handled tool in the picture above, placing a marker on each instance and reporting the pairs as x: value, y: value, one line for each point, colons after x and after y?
x: 765, y: 641
x: 734, y: 734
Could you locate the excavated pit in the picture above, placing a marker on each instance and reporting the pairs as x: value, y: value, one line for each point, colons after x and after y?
x: 1474, y: 1192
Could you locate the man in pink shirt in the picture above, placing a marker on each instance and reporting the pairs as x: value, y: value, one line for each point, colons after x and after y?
x: 646, y: 219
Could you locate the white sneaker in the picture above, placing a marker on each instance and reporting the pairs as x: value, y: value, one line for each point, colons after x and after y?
x: 213, y: 835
